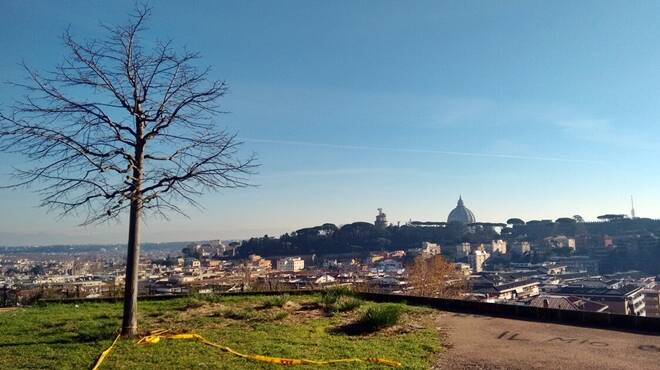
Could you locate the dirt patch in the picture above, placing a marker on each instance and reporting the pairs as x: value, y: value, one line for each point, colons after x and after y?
x: 408, y: 323
x: 206, y: 309
x: 481, y: 342
x: 291, y: 306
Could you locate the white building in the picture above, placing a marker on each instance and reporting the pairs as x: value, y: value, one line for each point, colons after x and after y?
x: 430, y: 249
x: 518, y: 289
x: 652, y: 301
x: 181, y: 279
x: 463, y: 250
x: 498, y: 246
x: 463, y: 268
x: 325, y: 279
x: 192, y: 262
x: 390, y: 266
x: 290, y: 264
x: 559, y: 241
x: 477, y: 260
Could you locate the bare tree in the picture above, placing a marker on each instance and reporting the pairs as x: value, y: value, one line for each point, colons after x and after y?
x: 435, y: 277
x: 121, y: 127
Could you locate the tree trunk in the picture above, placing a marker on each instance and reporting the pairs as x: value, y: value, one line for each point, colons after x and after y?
x: 129, y: 323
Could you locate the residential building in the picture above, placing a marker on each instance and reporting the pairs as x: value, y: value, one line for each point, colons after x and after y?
x: 463, y: 268
x: 192, y: 262
x: 510, y: 291
x: 652, y: 301
x: 496, y: 246
x: 211, y: 263
x: 430, y: 249
x: 626, y: 300
x: 578, y: 263
x: 389, y: 265
x: 259, y: 262
x: 568, y: 303
x: 325, y: 279
x: 552, y: 269
x: 290, y: 264
x: 463, y: 250
x: 559, y: 241
x: 520, y: 248
x: 477, y: 260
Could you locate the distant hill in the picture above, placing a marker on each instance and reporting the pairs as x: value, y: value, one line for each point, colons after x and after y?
x: 174, y: 247
x: 360, y: 237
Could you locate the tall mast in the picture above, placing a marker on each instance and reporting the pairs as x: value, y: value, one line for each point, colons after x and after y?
x: 632, y: 208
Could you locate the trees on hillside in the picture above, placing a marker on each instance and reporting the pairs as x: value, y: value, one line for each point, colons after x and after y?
x: 515, y: 221
x: 123, y: 126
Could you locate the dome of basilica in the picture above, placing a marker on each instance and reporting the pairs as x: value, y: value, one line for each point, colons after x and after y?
x: 461, y: 214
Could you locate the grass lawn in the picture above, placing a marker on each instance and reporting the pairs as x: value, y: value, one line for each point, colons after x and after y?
x: 69, y: 336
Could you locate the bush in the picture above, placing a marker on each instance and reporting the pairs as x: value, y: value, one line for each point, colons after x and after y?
x: 275, y: 301
x: 348, y: 304
x: 279, y: 315
x: 381, y: 316
x: 339, y: 291
x: 328, y: 300
x: 338, y: 299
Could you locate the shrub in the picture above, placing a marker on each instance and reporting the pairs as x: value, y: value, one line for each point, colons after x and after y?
x: 279, y: 315
x: 381, y: 316
x: 334, y: 299
x: 348, y: 304
x: 339, y: 291
x: 275, y: 301
x: 328, y: 300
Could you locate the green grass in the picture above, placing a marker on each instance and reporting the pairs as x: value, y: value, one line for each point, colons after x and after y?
x: 68, y: 336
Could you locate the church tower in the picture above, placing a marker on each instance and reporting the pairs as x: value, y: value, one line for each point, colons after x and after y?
x: 381, y: 219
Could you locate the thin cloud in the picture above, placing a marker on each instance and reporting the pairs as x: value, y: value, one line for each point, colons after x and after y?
x: 334, y: 172
x: 603, y: 131
x: 421, y: 151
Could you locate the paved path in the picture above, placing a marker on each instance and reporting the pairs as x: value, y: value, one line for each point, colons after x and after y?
x: 480, y: 342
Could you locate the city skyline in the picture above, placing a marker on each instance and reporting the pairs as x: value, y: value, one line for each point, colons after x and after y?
x: 512, y: 106
x: 51, y: 239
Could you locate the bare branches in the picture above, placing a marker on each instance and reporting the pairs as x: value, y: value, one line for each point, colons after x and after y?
x: 207, y: 163
x: 434, y: 277
x: 114, y: 124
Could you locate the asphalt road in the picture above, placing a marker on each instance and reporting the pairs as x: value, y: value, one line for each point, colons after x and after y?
x: 481, y: 342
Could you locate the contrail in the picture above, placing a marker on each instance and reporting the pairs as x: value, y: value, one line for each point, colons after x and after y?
x: 421, y: 151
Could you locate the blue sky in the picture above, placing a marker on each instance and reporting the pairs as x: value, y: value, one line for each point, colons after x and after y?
x: 528, y: 109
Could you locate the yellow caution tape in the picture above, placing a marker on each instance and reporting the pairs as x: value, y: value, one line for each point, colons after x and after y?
x: 162, y: 334
x: 105, y: 354
x: 157, y: 335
